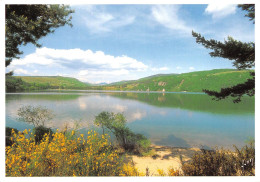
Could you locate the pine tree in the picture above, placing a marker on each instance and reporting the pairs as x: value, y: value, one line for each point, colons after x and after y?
x: 241, y: 53
x: 28, y: 23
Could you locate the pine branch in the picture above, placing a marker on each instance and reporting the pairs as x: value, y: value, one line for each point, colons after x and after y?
x: 237, y: 91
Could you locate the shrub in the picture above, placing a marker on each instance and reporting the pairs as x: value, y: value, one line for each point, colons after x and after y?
x: 77, y: 156
x: 116, y: 123
x: 8, y: 132
x: 245, y: 159
x: 40, y: 131
x: 222, y: 163
x: 171, y: 172
x: 210, y: 163
x: 174, y: 172
x: 161, y: 172
x: 131, y: 142
x: 142, y: 144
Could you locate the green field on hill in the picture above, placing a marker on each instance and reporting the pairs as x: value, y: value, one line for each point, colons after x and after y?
x: 190, y: 82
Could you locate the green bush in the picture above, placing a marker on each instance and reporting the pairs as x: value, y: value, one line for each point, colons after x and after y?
x: 39, y: 133
x: 127, y: 139
x: 142, y: 144
x: 8, y: 134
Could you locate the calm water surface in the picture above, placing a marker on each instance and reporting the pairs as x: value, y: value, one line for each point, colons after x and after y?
x: 172, y: 119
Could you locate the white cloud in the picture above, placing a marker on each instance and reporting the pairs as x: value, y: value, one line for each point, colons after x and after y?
x: 97, y: 20
x: 163, y: 68
x: 160, y: 69
x: 85, y: 65
x: 138, y: 115
x: 220, y: 10
x: 21, y: 71
x: 191, y: 68
x: 119, y: 108
x: 167, y: 15
x: 178, y: 67
x: 67, y: 57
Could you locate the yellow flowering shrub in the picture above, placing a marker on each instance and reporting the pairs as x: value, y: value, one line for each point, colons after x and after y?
x: 65, y: 155
x: 174, y: 172
x: 171, y: 172
x: 129, y: 170
x: 161, y: 172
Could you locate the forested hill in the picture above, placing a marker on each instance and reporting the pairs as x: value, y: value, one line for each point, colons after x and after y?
x: 14, y: 83
x: 189, y: 82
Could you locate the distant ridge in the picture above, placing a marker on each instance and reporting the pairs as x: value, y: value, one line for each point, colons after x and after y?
x: 185, y: 82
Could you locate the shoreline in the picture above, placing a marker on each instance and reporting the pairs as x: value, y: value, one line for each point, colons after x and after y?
x: 98, y: 91
x: 163, y: 158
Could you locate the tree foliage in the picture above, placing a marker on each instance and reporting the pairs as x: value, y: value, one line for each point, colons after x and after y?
x: 28, y: 23
x: 110, y: 121
x: 250, y: 8
x: 13, y: 83
x: 241, y: 53
x: 116, y: 123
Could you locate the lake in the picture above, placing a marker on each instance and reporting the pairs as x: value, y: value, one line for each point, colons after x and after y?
x: 168, y: 119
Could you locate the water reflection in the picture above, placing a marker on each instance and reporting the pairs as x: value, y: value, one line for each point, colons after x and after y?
x: 82, y: 109
x: 172, y: 140
x: 167, y: 119
x: 193, y: 102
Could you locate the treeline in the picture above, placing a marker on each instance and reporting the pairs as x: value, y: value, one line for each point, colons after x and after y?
x: 17, y: 84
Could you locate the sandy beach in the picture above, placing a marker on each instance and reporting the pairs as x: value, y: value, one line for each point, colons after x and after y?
x: 163, y: 158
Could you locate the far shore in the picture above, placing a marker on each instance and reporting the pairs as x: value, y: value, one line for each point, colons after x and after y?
x: 117, y: 91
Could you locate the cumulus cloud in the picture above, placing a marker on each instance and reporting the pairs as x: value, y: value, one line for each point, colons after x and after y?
x: 191, y: 68
x: 85, y: 65
x: 167, y: 15
x: 97, y: 20
x: 220, y: 10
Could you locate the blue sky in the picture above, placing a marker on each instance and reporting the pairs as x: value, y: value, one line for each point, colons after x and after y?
x: 109, y: 43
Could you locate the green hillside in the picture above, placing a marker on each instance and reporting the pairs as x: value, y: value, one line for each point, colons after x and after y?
x: 190, y: 82
x: 43, y: 82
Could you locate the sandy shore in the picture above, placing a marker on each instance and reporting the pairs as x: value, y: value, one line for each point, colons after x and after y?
x: 163, y: 158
